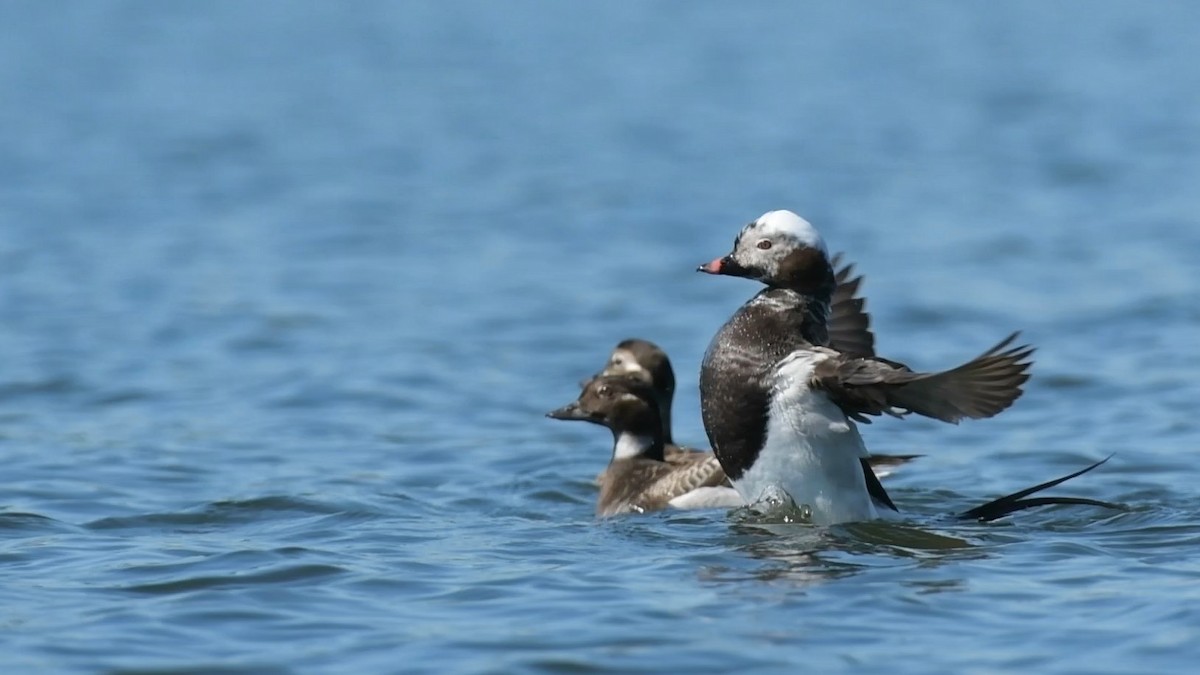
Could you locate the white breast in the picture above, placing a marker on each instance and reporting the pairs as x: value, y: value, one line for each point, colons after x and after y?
x: 812, y: 450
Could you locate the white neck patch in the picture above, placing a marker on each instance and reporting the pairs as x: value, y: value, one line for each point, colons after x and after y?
x: 788, y: 224
x: 631, y: 445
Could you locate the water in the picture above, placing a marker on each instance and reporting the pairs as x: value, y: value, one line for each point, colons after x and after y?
x: 287, y: 288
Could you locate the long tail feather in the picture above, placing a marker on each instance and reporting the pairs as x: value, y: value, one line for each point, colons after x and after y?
x: 1008, y: 504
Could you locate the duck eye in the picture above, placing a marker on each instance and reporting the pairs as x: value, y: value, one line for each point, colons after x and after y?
x: 764, y: 244
x: 604, y: 391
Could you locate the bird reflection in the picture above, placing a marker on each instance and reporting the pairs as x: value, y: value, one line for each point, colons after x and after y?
x: 787, y: 548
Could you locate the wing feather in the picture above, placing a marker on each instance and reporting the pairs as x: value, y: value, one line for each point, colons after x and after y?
x: 849, y: 323
x: 977, y: 389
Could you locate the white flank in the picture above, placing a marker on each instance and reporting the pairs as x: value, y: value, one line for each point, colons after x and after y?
x: 812, y: 449
x: 708, y: 498
x: 630, y: 445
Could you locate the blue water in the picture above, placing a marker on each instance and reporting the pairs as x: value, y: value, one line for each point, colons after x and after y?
x: 285, y: 289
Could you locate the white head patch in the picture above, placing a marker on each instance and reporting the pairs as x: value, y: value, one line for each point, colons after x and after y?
x: 623, y: 362
x: 788, y: 224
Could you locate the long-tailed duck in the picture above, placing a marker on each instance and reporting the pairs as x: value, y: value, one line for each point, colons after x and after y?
x: 644, y: 360
x: 638, y: 479
x: 780, y: 407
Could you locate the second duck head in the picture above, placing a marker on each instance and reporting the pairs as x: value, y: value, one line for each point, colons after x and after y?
x: 627, y: 407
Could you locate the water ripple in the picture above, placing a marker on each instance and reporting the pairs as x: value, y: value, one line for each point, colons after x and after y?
x: 275, y: 361
x: 282, y: 575
x: 218, y: 514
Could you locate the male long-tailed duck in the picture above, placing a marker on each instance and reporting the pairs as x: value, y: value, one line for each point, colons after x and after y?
x: 644, y: 360
x: 780, y: 406
x: 638, y: 479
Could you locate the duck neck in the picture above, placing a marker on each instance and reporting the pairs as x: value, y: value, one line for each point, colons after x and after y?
x: 806, y: 271
x: 664, y: 411
x: 807, y: 313
x: 634, y: 443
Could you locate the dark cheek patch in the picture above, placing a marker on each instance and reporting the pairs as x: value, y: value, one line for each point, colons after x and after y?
x: 805, y: 270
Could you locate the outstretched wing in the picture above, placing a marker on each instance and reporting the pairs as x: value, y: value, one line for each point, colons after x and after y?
x: 849, y: 324
x: 978, y: 389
